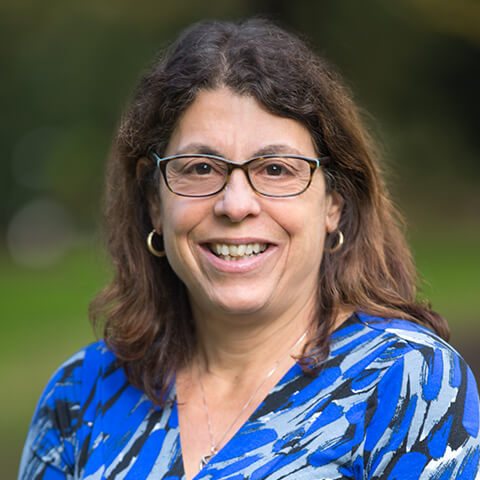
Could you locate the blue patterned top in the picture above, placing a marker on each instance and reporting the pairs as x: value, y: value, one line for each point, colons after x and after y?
x: 392, y: 401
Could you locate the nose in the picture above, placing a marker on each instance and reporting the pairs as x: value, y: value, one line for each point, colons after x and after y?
x: 237, y: 200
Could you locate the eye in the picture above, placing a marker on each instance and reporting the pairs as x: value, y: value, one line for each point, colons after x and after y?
x: 275, y: 170
x: 201, y: 168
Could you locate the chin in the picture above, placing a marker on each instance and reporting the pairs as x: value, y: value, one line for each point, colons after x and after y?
x: 242, y: 306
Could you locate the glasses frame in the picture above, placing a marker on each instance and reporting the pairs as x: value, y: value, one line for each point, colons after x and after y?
x: 314, y: 164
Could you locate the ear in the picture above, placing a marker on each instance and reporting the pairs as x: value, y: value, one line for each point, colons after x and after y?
x: 334, y: 211
x: 144, y: 166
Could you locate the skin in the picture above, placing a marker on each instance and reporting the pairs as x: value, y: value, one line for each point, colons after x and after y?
x: 248, y: 313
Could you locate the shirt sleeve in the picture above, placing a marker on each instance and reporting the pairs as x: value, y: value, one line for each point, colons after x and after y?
x: 50, y: 448
x: 424, y: 420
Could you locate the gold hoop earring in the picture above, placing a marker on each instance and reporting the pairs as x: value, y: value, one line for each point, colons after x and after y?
x: 151, y: 248
x: 340, y: 241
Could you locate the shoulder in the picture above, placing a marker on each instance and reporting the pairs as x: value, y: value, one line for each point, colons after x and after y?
x: 424, y: 413
x: 69, y: 398
x: 76, y: 376
x: 409, y: 367
x: 415, y: 352
x: 414, y: 334
x: 390, y: 330
x: 374, y: 341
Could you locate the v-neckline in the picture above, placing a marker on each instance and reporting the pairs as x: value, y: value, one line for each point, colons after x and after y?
x: 293, y: 372
x: 247, y: 422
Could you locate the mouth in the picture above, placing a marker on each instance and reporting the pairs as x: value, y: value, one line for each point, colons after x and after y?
x: 233, y: 253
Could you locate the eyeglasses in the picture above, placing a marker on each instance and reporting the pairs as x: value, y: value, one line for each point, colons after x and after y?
x: 199, y: 175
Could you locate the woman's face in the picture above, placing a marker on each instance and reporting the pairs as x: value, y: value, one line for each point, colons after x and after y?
x: 283, y: 276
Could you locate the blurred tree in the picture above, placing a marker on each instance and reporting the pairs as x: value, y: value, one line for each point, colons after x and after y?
x: 459, y: 18
x: 68, y: 68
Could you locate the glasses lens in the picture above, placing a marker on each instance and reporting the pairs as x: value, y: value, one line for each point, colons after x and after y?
x: 280, y: 176
x: 195, y: 176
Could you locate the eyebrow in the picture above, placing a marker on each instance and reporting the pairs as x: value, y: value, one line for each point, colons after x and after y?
x: 272, y: 149
x: 277, y: 148
x: 198, y: 148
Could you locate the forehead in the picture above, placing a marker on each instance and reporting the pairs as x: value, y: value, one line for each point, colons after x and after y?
x: 237, y: 126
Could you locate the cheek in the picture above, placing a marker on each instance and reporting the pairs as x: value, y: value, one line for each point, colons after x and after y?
x: 180, y: 216
x: 176, y: 226
x: 173, y: 216
x: 306, y: 218
x: 306, y: 231
x: 176, y: 223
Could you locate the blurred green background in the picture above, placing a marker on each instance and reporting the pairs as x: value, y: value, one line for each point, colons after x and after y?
x: 67, y: 71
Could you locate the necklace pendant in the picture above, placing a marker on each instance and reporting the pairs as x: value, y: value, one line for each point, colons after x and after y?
x: 206, y: 458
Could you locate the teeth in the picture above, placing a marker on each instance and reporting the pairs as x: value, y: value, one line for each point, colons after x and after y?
x: 235, y: 252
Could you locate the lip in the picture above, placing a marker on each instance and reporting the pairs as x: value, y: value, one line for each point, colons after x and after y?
x: 238, y: 266
x: 237, y: 241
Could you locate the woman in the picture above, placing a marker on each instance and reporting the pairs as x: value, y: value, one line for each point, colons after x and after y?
x: 262, y: 320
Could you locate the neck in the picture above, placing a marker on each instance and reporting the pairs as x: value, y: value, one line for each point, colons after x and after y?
x: 236, y: 346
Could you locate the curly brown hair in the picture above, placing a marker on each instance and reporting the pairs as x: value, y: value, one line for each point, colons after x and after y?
x: 148, y: 322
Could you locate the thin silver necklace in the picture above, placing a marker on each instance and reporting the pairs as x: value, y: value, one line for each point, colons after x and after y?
x: 213, y: 449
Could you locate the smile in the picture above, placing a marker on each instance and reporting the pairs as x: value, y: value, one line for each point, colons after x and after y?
x: 236, y: 252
